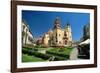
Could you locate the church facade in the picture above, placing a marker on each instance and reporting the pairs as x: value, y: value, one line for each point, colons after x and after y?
x: 58, y: 36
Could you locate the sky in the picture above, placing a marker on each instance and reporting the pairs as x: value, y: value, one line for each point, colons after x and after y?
x: 41, y: 22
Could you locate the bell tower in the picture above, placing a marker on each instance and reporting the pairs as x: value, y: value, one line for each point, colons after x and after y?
x: 57, y: 33
x: 68, y: 34
x: 57, y: 23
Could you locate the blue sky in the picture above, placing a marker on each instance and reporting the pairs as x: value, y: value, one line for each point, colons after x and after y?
x: 41, y: 21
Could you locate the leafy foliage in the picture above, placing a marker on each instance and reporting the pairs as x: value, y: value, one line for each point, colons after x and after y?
x: 54, y: 53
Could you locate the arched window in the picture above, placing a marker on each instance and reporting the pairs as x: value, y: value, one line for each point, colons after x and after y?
x: 65, y: 33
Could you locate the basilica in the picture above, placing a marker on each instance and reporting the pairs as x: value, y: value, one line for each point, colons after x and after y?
x: 58, y: 36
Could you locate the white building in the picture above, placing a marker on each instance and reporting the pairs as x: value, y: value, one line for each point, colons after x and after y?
x: 27, y: 37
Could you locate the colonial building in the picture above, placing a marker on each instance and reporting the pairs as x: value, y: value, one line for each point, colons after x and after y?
x: 58, y: 36
x: 27, y: 37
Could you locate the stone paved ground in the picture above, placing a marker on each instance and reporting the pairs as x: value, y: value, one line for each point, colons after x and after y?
x: 74, y: 54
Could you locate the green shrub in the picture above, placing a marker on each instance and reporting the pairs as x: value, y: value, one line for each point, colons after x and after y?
x: 25, y: 51
x: 37, y: 54
x: 62, y: 52
x: 27, y: 48
x: 35, y: 49
x: 57, y: 54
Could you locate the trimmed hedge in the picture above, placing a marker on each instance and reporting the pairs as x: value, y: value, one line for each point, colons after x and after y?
x: 27, y: 48
x: 25, y: 51
x: 57, y: 54
x: 64, y: 52
x: 43, y: 56
x: 37, y: 54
